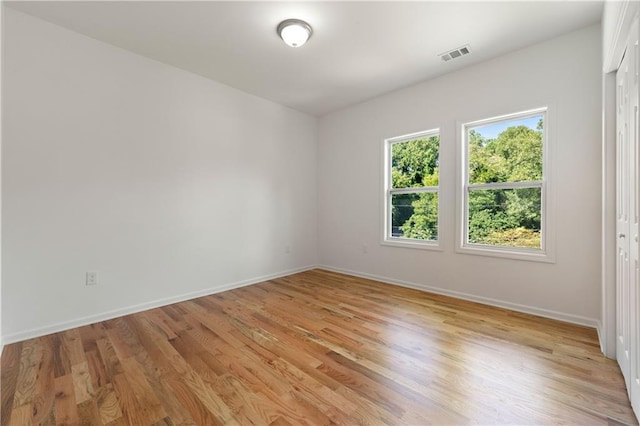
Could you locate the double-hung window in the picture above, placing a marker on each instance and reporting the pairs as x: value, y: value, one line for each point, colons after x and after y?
x: 504, y: 187
x: 411, y: 190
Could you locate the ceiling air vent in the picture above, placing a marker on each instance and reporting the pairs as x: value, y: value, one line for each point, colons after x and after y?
x: 455, y: 53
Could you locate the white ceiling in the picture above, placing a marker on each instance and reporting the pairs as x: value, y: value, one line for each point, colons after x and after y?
x: 359, y: 50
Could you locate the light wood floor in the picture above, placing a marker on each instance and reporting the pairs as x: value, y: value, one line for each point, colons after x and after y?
x: 315, y: 348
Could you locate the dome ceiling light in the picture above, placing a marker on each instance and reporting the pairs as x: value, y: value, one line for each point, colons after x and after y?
x: 294, y: 32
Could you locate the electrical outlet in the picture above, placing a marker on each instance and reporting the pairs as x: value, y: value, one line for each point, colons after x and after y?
x: 287, y: 248
x: 365, y: 248
x: 92, y: 278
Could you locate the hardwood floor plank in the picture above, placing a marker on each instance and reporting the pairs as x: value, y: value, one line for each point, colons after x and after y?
x: 88, y: 414
x: 148, y: 403
x: 336, y: 407
x: 129, y: 404
x: 165, y: 323
x: 110, y: 360
x: 162, y: 378
x: 82, y: 385
x: 280, y: 422
x: 29, y: 363
x: 120, y: 348
x: 315, y: 348
x: 45, y: 375
x: 107, y: 404
x: 205, y: 393
x: 89, y: 338
x: 72, y: 342
x: 66, y: 408
x: 61, y: 361
x: 10, y: 363
x: 174, y: 410
x: 196, y: 408
x: 164, y: 422
x: 96, y: 368
x: 21, y: 416
x: 43, y: 407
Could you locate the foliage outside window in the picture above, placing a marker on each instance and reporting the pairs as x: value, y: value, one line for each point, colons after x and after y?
x: 504, y: 186
x: 412, y: 168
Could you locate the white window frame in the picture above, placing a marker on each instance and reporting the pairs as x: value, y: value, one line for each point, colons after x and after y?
x: 387, y: 238
x: 546, y: 251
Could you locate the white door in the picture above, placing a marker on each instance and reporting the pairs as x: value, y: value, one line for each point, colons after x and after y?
x: 622, y: 217
x: 634, y: 245
x: 627, y: 219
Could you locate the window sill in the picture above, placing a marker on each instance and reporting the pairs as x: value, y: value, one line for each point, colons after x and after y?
x: 507, y: 253
x: 412, y: 244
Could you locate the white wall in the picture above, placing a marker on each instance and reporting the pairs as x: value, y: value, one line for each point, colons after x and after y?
x: 564, y: 73
x: 163, y: 182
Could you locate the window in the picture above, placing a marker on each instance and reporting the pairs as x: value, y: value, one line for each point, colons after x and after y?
x: 504, y: 186
x: 411, y: 190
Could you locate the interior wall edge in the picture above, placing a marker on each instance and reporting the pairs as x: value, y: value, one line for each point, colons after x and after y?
x: 608, y: 231
x: 602, y: 338
x: 2, y: 38
x: 104, y: 316
x: 526, y: 309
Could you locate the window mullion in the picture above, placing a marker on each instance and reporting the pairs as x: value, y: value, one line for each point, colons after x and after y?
x: 506, y: 185
x: 396, y: 191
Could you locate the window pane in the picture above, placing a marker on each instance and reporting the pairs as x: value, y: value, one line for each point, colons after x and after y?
x: 506, y: 151
x: 505, y: 217
x: 415, y: 216
x: 415, y: 163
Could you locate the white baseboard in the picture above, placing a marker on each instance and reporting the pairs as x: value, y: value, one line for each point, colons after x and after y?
x: 66, y: 325
x: 546, y: 313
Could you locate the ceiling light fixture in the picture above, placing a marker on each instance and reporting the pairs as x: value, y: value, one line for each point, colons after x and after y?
x: 294, y: 32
